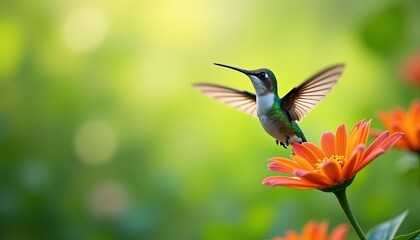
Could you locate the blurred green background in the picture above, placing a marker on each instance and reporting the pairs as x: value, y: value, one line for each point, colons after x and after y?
x: 103, y: 137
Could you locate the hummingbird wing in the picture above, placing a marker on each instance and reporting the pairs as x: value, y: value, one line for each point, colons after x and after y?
x: 242, y: 100
x: 303, y: 98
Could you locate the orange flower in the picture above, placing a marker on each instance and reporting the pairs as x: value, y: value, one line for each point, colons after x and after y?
x: 333, y: 166
x: 316, y: 231
x: 407, y: 122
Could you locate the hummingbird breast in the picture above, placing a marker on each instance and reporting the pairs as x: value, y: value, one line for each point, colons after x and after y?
x: 278, y: 130
x: 274, y: 120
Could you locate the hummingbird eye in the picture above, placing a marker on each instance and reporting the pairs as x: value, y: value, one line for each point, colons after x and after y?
x: 262, y: 75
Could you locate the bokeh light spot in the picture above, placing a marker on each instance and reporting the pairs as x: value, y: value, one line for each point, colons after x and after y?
x: 84, y: 29
x: 35, y: 175
x: 108, y: 200
x: 95, y: 142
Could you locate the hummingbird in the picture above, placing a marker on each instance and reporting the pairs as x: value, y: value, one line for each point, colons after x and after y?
x: 277, y: 115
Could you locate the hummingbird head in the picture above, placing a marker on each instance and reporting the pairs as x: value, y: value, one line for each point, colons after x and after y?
x: 262, y: 79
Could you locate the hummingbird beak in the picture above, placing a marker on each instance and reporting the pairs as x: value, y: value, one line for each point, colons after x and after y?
x: 234, y: 68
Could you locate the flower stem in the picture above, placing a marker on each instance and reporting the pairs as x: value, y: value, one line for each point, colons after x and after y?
x: 342, y: 199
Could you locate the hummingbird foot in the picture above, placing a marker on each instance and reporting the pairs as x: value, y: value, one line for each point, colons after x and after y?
x: 287, y: 140
x: 280, y: 143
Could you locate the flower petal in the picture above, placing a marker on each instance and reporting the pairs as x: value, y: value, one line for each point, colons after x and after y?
x: 314, y: 177
x: 376, y: 143
x: 282, y: 165
x: 339, y: 233
x: 354, y: 137
x: 409, y: 125
x: 327, y: 143
x: 365, y: 132
x: 389, y: 142
x: 291, y: 235
x: 309, y: 231
x: 292, y: 182
x: 383, y: 147
x: 303, y: 163
x: 385, y: 118
x: 332, y: 170
x: 322, y: 231
x: 316, y: 150
x: 407, y: 122
x: 348, y: 169
x: 341, y: 140
x: 367, y: 160
x: 305, y: 153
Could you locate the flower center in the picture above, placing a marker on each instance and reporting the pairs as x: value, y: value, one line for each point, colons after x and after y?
x: 338, y: 158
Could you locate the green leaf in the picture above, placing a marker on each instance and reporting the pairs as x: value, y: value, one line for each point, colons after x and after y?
x: 387, y: 230
x: 411, y: 236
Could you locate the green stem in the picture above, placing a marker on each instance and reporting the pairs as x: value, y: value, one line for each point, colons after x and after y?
x: 342, y: 199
